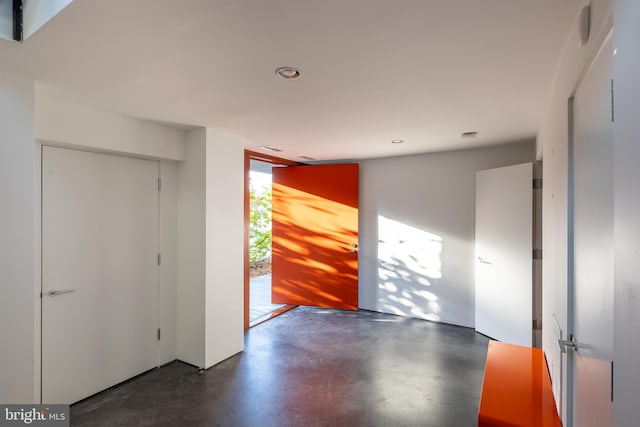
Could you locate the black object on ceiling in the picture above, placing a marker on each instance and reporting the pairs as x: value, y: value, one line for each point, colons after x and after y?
x: 17, y: 20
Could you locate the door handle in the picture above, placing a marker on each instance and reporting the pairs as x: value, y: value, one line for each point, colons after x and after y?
x: 55, y: 292
x: 354, y: 247
x: 570, y: 344
x: 483, y: 261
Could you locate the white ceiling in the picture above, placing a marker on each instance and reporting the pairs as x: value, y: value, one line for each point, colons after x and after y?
x: 372, y: 70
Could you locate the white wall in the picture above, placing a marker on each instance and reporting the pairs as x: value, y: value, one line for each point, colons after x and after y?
x: 191, y: 250
x: 210, y: 249
x: 224, y: 247
x: 429, y: 200
x: 18, y: 294
x: 626, y: 64
x: 552, y: 146
x: 69, y: 124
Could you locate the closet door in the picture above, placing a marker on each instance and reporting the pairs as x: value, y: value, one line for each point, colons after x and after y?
x: 99, y: 271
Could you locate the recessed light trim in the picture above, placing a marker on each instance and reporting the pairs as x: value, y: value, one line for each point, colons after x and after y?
x: 288, y: 73
x: 271, y: 148
x: 469, y: 134
x: 397, y: 141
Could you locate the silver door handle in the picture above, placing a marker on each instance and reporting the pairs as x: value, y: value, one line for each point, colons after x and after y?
x: 55, y: 293
x: 354, y: 247
x: 570, y: 344
x: 483, y: 261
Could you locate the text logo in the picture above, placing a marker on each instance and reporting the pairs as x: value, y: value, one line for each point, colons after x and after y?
x: 35, y: 415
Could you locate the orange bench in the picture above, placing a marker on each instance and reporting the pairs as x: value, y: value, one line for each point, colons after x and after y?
x: 516, y: 390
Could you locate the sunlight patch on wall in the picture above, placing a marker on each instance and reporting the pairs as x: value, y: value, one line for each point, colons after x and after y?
x: 409, y: 263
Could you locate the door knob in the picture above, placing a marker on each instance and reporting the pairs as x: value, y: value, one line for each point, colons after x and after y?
x: 354, y: 247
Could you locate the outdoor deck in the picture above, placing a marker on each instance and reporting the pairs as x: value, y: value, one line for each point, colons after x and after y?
x: 260, y: 297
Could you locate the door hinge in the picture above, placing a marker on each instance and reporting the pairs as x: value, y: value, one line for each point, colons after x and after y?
x: 537, y: 184
x: 159, y: 258
x: 537, y: 324
x: 612, y: 380
x: 158, y: 334
x: 159, y: 184
x: 537, y: 254
x: 612, y: 103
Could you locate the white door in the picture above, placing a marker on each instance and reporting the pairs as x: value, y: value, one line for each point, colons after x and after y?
x: 504, y: 245
x: 99, y: 254
x: 593, y: 244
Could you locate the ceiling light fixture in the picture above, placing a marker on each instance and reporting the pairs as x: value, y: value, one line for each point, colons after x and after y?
x: 306, y: 158
x: 288, y: 73
x: 469, y: 134
x: 270, y: 148
x: 397, y: 141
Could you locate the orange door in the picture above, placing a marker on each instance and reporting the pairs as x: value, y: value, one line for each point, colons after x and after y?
x: 315, y: 236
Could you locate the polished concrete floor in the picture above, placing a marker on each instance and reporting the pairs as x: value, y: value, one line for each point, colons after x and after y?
x: 313, y: 367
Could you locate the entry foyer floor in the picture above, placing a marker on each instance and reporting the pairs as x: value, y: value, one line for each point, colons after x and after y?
x: 313, y: 367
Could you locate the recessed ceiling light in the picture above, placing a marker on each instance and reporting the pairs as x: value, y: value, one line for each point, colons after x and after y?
x: 469, y: 134
x: 270, y: 148
x: 397, y: 141
x: 288, y: 73
x: 306, y: 158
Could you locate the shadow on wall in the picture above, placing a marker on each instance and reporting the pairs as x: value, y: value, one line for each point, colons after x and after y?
x: 409, y: 265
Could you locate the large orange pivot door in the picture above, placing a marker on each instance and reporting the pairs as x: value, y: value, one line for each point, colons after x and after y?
x: 315, y: 236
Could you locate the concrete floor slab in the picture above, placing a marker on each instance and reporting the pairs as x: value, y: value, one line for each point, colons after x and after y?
x: 313, y: 367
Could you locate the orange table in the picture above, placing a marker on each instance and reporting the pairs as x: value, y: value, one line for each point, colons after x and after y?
x: 516, y: 390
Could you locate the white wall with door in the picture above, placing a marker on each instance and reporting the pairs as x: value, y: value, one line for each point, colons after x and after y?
x: 28, y: 117
x: 552, y: 142
x: 65, y: 124
x: 417, y: 231
x: 201, y: 218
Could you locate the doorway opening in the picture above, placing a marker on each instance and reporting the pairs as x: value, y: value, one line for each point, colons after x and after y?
x: 258, y: 275
x: 260, y: 304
